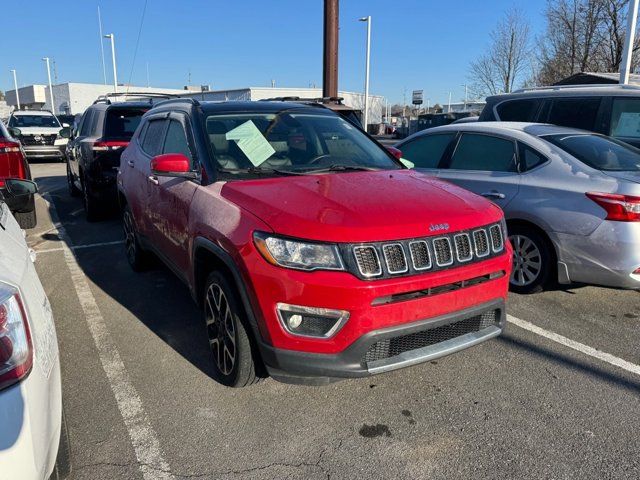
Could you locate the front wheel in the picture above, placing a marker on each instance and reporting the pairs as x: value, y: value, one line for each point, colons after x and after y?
x: 234, y: 360
x: 91, y: 207
x: 532, y: 261
x: 137, y: 257
x: 71, y: 186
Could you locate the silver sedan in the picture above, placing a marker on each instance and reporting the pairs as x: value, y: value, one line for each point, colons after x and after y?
x: 571, y: 197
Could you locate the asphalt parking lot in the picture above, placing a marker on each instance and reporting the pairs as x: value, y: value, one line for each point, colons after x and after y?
x: 559, y: 398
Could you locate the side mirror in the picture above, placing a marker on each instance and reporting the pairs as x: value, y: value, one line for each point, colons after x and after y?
x: 14, y: 132
x: 17, y: 187
x: 394, y: 151
x: 172, y: 165
x: 64, y: 125
x: 65, y: 132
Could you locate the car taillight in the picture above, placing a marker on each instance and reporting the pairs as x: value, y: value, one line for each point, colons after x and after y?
x: 11, y: 161
x: 107, y: 146
x: 621, y: 208
x: 16, y: 349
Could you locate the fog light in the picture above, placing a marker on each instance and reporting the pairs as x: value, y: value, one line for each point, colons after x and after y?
x: 311, y: 321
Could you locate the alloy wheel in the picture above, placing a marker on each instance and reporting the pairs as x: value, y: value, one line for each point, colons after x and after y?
x: 220, y: 328
x: 527, y: 261
x: 129, y: 237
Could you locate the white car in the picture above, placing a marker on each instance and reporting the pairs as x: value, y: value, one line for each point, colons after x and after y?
x: 40, y: 134
x: 32, y: 430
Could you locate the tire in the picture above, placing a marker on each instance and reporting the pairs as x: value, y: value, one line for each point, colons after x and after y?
x: 137, y: 257
x: 26, y: 219
x: 62, y: 468
x: 91, y: 208
x: 73, y: 190
x: 533, y: 260
x: 221, y: 308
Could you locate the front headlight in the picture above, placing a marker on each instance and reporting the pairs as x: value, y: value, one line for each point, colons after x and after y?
x: 298, y: 254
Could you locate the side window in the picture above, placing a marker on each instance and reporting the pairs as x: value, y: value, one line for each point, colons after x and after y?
x: 152, y: 141
x: 484, y: 152
x: 625, y: 118
x: 426, y: 151
x: 86, y: 123
x: 518, y: 110
x: 94, y: 123
x: 575, y: 112
x: 176, y: 140
x: 529, y: 158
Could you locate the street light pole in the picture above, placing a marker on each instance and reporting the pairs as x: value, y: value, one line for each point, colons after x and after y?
x: 53, y: 105
x: 628, y: 42
x: 111, y: 36
x: 15, y: 85
x: 465, y: 96
x: 366, y: 78
x: 449, y: 106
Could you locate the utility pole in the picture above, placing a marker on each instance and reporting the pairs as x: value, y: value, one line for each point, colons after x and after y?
x: 366, y: 75
x: 104, y: 68
x: 330, y: 49
x: 465, y: 96
x: 15, y: 85
x: 625, y: 67
x: 113, y: 59
x: 53, y: 105
x: 449, y: 106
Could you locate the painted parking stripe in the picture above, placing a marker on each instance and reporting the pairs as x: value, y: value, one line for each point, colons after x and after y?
x: 580, y: 347
x: 143, y: 437
x: 79, y: 247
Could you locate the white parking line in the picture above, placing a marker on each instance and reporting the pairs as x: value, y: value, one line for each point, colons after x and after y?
x: 79, y: 247
x: 580, y: 347
x: 143, y: 437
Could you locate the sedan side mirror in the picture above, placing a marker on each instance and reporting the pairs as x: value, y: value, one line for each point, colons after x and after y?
x: 17, y: 187
x: 172, y: 165
x: 65, y: 132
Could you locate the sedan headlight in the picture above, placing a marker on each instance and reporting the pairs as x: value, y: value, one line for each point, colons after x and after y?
x: 298, y: 254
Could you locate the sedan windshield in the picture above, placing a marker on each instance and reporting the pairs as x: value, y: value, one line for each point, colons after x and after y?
x: 291, y: 142
x: 47, y: 121
x: 599, y: 152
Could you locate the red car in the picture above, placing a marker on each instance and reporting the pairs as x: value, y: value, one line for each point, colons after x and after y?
x: 314, y: 253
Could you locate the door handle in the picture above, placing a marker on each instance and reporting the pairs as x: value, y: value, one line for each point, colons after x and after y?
x: 493, y: 195
x: 130, y: 163
x: 153, y: 179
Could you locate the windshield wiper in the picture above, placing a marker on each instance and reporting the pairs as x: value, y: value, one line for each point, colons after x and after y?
x: 257, y: 171
x: 336, y: 167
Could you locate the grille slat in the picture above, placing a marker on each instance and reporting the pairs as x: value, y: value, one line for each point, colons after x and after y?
x: 392, y: 347
x: 394, y: 258
x: 420, y: 255
x: 481, y: 242
x: 367, y: 260
x: 442, y: 251
x: 31, y: 140
x: 497, y: 243
x: 463, y: 247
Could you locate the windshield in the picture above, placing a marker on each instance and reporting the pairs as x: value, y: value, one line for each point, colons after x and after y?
x: 47, y: 121
x: 601, y: 153
x: 121, y: 123
x: 291, y: 142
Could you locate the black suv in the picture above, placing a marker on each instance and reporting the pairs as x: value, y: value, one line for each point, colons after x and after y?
x: 608, y: 109
x: 97, y: 141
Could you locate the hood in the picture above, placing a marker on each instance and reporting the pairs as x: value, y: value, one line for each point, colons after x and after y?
x: 39, y: 130
x: 360, y: 206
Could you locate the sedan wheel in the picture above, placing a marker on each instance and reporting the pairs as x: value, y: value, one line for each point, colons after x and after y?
x: 527, y: 262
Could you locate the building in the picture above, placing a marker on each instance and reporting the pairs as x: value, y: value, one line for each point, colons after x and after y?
x: 470, y: 106
x: 355, y: 100
x: 71, y: 98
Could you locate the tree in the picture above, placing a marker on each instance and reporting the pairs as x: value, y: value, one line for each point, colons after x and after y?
x: 507, y: 61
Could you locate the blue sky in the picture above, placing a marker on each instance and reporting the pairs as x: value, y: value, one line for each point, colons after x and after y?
x: 415, y: 44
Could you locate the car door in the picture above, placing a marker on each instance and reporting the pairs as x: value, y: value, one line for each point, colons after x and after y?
x: 170, y: 198
x: 486, y: 164
x: 73, y: 149
x: 427, y: 151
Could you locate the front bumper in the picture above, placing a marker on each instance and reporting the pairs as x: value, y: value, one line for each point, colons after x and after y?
x: 44, y: 151
x: 607, y: 257
x: 313, y: 368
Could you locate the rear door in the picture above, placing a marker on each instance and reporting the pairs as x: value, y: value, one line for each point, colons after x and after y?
x: 170, y: 198
x: 73, y: 149
x: 485, y: 164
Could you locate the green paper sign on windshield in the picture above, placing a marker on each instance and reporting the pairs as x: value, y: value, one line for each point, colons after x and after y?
x: 252, y: 143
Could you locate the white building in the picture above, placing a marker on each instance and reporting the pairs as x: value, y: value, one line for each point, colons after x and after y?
x: 354, y: 100
x: 470, y: 106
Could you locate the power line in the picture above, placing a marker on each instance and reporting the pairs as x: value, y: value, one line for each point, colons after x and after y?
x: 135, y: 51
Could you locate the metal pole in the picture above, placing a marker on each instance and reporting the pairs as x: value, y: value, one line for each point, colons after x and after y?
x: 113, y: 59
x: 104, y: 68
x: 15, y: 85
x: 449, y: 106
x: 628, y: 42
x: 366, y: 78
x: 330, y: 49
x: 465, y: 96
x: 53, y: 105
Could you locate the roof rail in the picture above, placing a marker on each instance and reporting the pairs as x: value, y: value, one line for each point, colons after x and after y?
x: 303, y: 99
x: 151, y: 95
x: 190, y: 100
x: 569, y: 87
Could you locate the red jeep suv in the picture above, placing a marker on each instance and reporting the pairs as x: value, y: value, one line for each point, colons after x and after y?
x: 313, y: 252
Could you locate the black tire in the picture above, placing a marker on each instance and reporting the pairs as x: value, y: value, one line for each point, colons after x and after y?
x: 137, y: 256
x: 236, y: 334
x: 62, y: 468
x: 71, y: 186
x: 533, y: 260
x: 26, y: 219
x: 91, y: 207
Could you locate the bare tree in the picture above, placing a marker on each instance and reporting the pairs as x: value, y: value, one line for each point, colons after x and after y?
x: 507, y: 61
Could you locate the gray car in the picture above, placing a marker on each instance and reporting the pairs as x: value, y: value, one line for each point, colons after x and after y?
x: 571, y: 197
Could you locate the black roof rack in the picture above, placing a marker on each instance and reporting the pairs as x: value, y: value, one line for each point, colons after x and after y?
x: 150, y: 95
x: 177, y: 99
x: 304, y: 100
